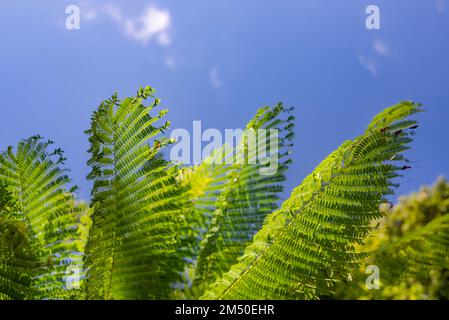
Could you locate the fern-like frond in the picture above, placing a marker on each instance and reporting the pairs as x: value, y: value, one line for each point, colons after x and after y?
x: 43, y: 204
x: 304, y: 247
x: 130, y: 252
x: 202, y: 185
x: 247, y: 194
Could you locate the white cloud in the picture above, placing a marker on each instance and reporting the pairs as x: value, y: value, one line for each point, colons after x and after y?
x: 215, y: 78
x: 369, y: 64
x: 381, y: 47
x: 154, y: 23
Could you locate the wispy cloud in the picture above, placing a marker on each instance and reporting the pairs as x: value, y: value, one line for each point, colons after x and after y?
x: 153, y: 25
x: 369, y: 64
x: 440, y: 6
x: 89, y: 15
x: 381, y: 47
x: 88, y: 12
x: 215, y: 78
x: 170, y: 62
x: 115, y: 13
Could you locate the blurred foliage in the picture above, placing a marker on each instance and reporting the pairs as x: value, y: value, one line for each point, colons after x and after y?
x: 19, y: 263
x: 410, y: 246
x: 8, y: 205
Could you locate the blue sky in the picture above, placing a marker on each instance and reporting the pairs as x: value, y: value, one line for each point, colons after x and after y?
x: 218, y: 61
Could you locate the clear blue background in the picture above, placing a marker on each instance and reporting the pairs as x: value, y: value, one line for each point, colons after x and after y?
x: 314, y: 55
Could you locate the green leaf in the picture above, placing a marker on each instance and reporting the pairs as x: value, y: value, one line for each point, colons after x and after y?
x: 132, y: 243
x: 246, y: 192
x: 307, y: 245
x: 43, y: 205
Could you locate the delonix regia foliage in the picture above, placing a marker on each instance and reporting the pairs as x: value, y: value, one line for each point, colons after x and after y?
x: 410, y: 247
x: 159, y: 230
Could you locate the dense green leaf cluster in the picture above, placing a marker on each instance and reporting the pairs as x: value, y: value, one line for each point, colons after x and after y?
x: 411, y: 249
x: 132, y: 240
x: 305, y: 246
x: 232, y: 201
x: 41, y: 210
x: 159, y: 230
